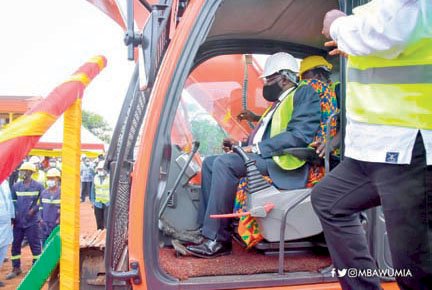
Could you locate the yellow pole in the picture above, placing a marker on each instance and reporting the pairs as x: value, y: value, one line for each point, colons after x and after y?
x: 70, y: 197
x: 10, y: 117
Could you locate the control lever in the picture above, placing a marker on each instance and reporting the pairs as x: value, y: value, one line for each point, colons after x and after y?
x: 195, y: 146
x: 255, y: 180
x: 258, y: 211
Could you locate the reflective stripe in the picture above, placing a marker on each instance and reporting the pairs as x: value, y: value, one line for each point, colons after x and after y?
x: 36, y: 257
x: 17, y: 257
x: 27, y: 193
x: 54, y: 201
x: 102, y: 199
x: 413, y: 74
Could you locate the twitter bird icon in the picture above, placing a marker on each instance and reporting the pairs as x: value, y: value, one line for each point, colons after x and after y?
x: 342, y: 273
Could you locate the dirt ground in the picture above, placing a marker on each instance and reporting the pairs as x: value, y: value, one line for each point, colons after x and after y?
x: 87, y: 225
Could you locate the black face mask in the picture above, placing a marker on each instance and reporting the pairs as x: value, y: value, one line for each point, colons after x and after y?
x: 271, y: 92
x: 25, y: 174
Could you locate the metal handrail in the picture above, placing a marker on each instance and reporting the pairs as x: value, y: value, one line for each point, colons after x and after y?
x: 291, y: 206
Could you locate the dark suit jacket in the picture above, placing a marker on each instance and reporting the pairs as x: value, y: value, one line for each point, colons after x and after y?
x: 300, y: 131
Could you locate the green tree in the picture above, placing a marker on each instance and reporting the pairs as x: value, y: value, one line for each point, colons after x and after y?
x: 210, y: 135
x: 96, y: 124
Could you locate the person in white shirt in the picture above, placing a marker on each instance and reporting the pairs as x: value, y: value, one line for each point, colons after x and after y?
x: 388, y: 142
x: 7, y: 213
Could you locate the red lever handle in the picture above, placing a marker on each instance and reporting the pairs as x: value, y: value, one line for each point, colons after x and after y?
x: 267, y: 207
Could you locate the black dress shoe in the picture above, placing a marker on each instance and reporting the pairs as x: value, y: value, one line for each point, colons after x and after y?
x: 210, y: 249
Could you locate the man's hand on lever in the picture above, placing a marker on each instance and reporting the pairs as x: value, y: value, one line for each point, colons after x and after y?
x: 248, y: 149
x: 227, y: 144
x: 248, y: 116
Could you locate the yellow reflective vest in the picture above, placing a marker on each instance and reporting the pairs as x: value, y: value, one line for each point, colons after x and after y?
x: 102, y: 190
x: 280, y: 120
x: 396, y: 92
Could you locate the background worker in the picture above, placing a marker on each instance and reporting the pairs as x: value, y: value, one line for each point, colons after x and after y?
x: 50, y: 203
x: 388, y: 143
x: 100, y: 195
x: 39, y: 175
x: 53, y: 164
x: 7, y: 213
x: 25, y: 195
x: 86, y: 174
x: 291, y: 121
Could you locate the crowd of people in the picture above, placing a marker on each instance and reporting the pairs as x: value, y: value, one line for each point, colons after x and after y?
x: 31, y: 199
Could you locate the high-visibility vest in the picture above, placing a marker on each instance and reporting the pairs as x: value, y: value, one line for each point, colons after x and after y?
x: 279, y: 122
x: 40, y: 177
x: 102, y: 191
x: 396, y: 92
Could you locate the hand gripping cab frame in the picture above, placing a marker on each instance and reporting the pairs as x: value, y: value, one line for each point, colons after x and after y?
x: 198, y: 63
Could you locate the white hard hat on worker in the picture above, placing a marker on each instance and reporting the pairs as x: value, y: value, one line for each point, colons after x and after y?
x: 280, y: 73
x: 278, y: 62
x: 35, y: 160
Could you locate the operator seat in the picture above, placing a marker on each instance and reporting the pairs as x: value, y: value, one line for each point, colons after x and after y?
x: 301, y: 221
x: 285, y: 215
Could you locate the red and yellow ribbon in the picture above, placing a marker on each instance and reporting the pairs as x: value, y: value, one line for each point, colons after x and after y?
x: 19, y: 137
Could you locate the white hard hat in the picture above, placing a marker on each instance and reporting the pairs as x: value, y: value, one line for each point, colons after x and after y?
x: 34, y: 159
x: 53, y: 172
x: 28, y: 166
x: 280, y: 61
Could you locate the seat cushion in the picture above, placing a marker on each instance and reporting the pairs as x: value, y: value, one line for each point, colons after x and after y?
x: 248, y: 228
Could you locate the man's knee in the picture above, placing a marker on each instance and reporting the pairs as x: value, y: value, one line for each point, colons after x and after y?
x: 320, y: 204
x: 223, y: 162
x: 207, y: 164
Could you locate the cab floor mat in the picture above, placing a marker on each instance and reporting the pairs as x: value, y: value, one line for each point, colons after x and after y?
x: 239, y: 262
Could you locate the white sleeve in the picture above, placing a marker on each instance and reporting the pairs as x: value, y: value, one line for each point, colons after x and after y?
x: 4, y: 186
x: 381, y: 28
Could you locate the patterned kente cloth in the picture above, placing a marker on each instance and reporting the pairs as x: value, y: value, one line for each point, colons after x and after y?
x: 248, y: 228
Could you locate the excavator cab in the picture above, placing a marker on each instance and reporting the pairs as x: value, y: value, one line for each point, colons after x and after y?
x: 197, y: 68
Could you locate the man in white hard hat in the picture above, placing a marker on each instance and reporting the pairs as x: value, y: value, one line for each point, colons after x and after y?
x: 86, y: 176
x: 291, y: 121
x: 100, y: 195
x: 50, y: 202
x: 39, y: 175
